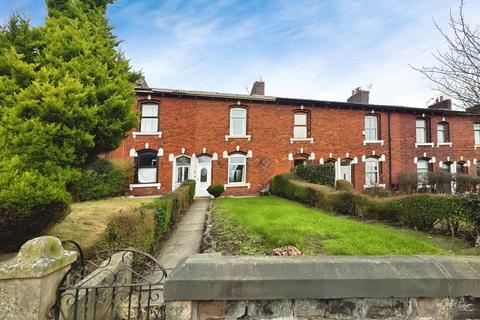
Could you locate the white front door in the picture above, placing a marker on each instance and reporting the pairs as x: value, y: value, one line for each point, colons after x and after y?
x: 203, y: 176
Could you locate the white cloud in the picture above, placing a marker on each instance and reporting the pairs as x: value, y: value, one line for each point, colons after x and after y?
x: 313, y: 49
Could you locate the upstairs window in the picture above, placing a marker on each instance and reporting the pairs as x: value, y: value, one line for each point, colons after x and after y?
x: 422, y: 132
x: 371, y: 128
x: 238, y: 122
x: 300, y: 127
x: 237, y: 168
x: 443, y: 134
x: 149, y: 117
x: 372, y: 172
x: 147, y: 167
x: 476, y: 128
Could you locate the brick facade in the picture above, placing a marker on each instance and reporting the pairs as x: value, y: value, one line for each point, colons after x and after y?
x: 195, y: 124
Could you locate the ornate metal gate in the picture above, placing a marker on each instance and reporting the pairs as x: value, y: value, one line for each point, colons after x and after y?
x: 118, y: 284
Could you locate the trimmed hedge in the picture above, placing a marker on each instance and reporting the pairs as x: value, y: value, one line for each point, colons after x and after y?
x: 422, y: 212
x: 317, y: 173
x: 343, y: 185
x: 102, y: 179
x: 134, y: 228
x: 141, y: 228
x: 172, y: 206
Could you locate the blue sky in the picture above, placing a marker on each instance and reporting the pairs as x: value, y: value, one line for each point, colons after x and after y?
x: 311, y: 49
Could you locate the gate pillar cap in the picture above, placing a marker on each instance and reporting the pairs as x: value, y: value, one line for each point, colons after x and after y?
x: 37, y: 258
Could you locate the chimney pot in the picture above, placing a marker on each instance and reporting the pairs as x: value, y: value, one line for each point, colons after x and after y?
x: 258, y: 88
x: 441, y: 103
x: 359, y: 96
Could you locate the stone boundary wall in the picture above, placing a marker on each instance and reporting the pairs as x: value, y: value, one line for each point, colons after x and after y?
x: 211, y: 286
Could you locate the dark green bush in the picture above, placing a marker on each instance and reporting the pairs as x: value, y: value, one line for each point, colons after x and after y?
x: 343, y: 185
x: 317, y: 173
x: 102, y: 179
x: 133, y: 228
x: 216, y: 190
x: 30, y: 203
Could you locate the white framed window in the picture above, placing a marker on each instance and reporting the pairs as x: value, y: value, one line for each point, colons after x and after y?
x: 182, y: 169
x: 422, y: 172
x: 237, y: 165
x: 147, y: 166
x: 421, y: 131
x: 442, y: 132
x: 476, y: 129
x: 238, y: 122
x: 346, y: 170
x: 149, y: 117
x: 300, y: 125
x: 371, y: 128
x: 372, y: 172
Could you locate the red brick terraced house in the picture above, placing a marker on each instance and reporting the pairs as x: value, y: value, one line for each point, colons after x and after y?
x: 242, y: 140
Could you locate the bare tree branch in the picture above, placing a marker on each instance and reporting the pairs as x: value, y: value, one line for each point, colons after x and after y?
x: 457, y: 73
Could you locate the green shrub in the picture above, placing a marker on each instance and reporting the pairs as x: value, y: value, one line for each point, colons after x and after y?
x: 438, y: 180
x: 170, y: 207
x: 423, y: 211
x: 216, y: 190
x: 466, y: 182
x: 102, y: 179
x: 408, y: 182
x: 471, y: 209
x: 343, y: 185
x: 133, y: 228
x: 317, y: 173
x: 30, y: 203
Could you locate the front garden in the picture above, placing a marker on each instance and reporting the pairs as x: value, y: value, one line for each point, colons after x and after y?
x: 257, y: 225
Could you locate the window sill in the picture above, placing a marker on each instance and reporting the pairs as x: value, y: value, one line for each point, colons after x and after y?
x: 375, y: 185
x: 365, y: 142
x: 439, y: 144
x: 477, y: 146
x: 292, y: 140
x: 424, y: 144
x: 238, y: 185
x: 248, y: 137
x: 135, y: 134
x: 144, y: 185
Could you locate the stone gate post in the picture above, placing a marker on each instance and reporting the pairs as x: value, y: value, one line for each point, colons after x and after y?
x: 29, y: 281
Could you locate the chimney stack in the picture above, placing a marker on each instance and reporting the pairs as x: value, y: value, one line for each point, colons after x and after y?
x: 359, y: 96
x: 258, y: 88
x: 441, y: 103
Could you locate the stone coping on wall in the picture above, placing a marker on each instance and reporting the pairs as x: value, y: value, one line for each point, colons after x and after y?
x: 216, y: 277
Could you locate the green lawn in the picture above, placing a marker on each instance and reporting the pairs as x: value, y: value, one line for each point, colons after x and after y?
x: 256, y: 225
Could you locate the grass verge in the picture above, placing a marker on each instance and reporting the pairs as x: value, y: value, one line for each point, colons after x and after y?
x: 257, y: 225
